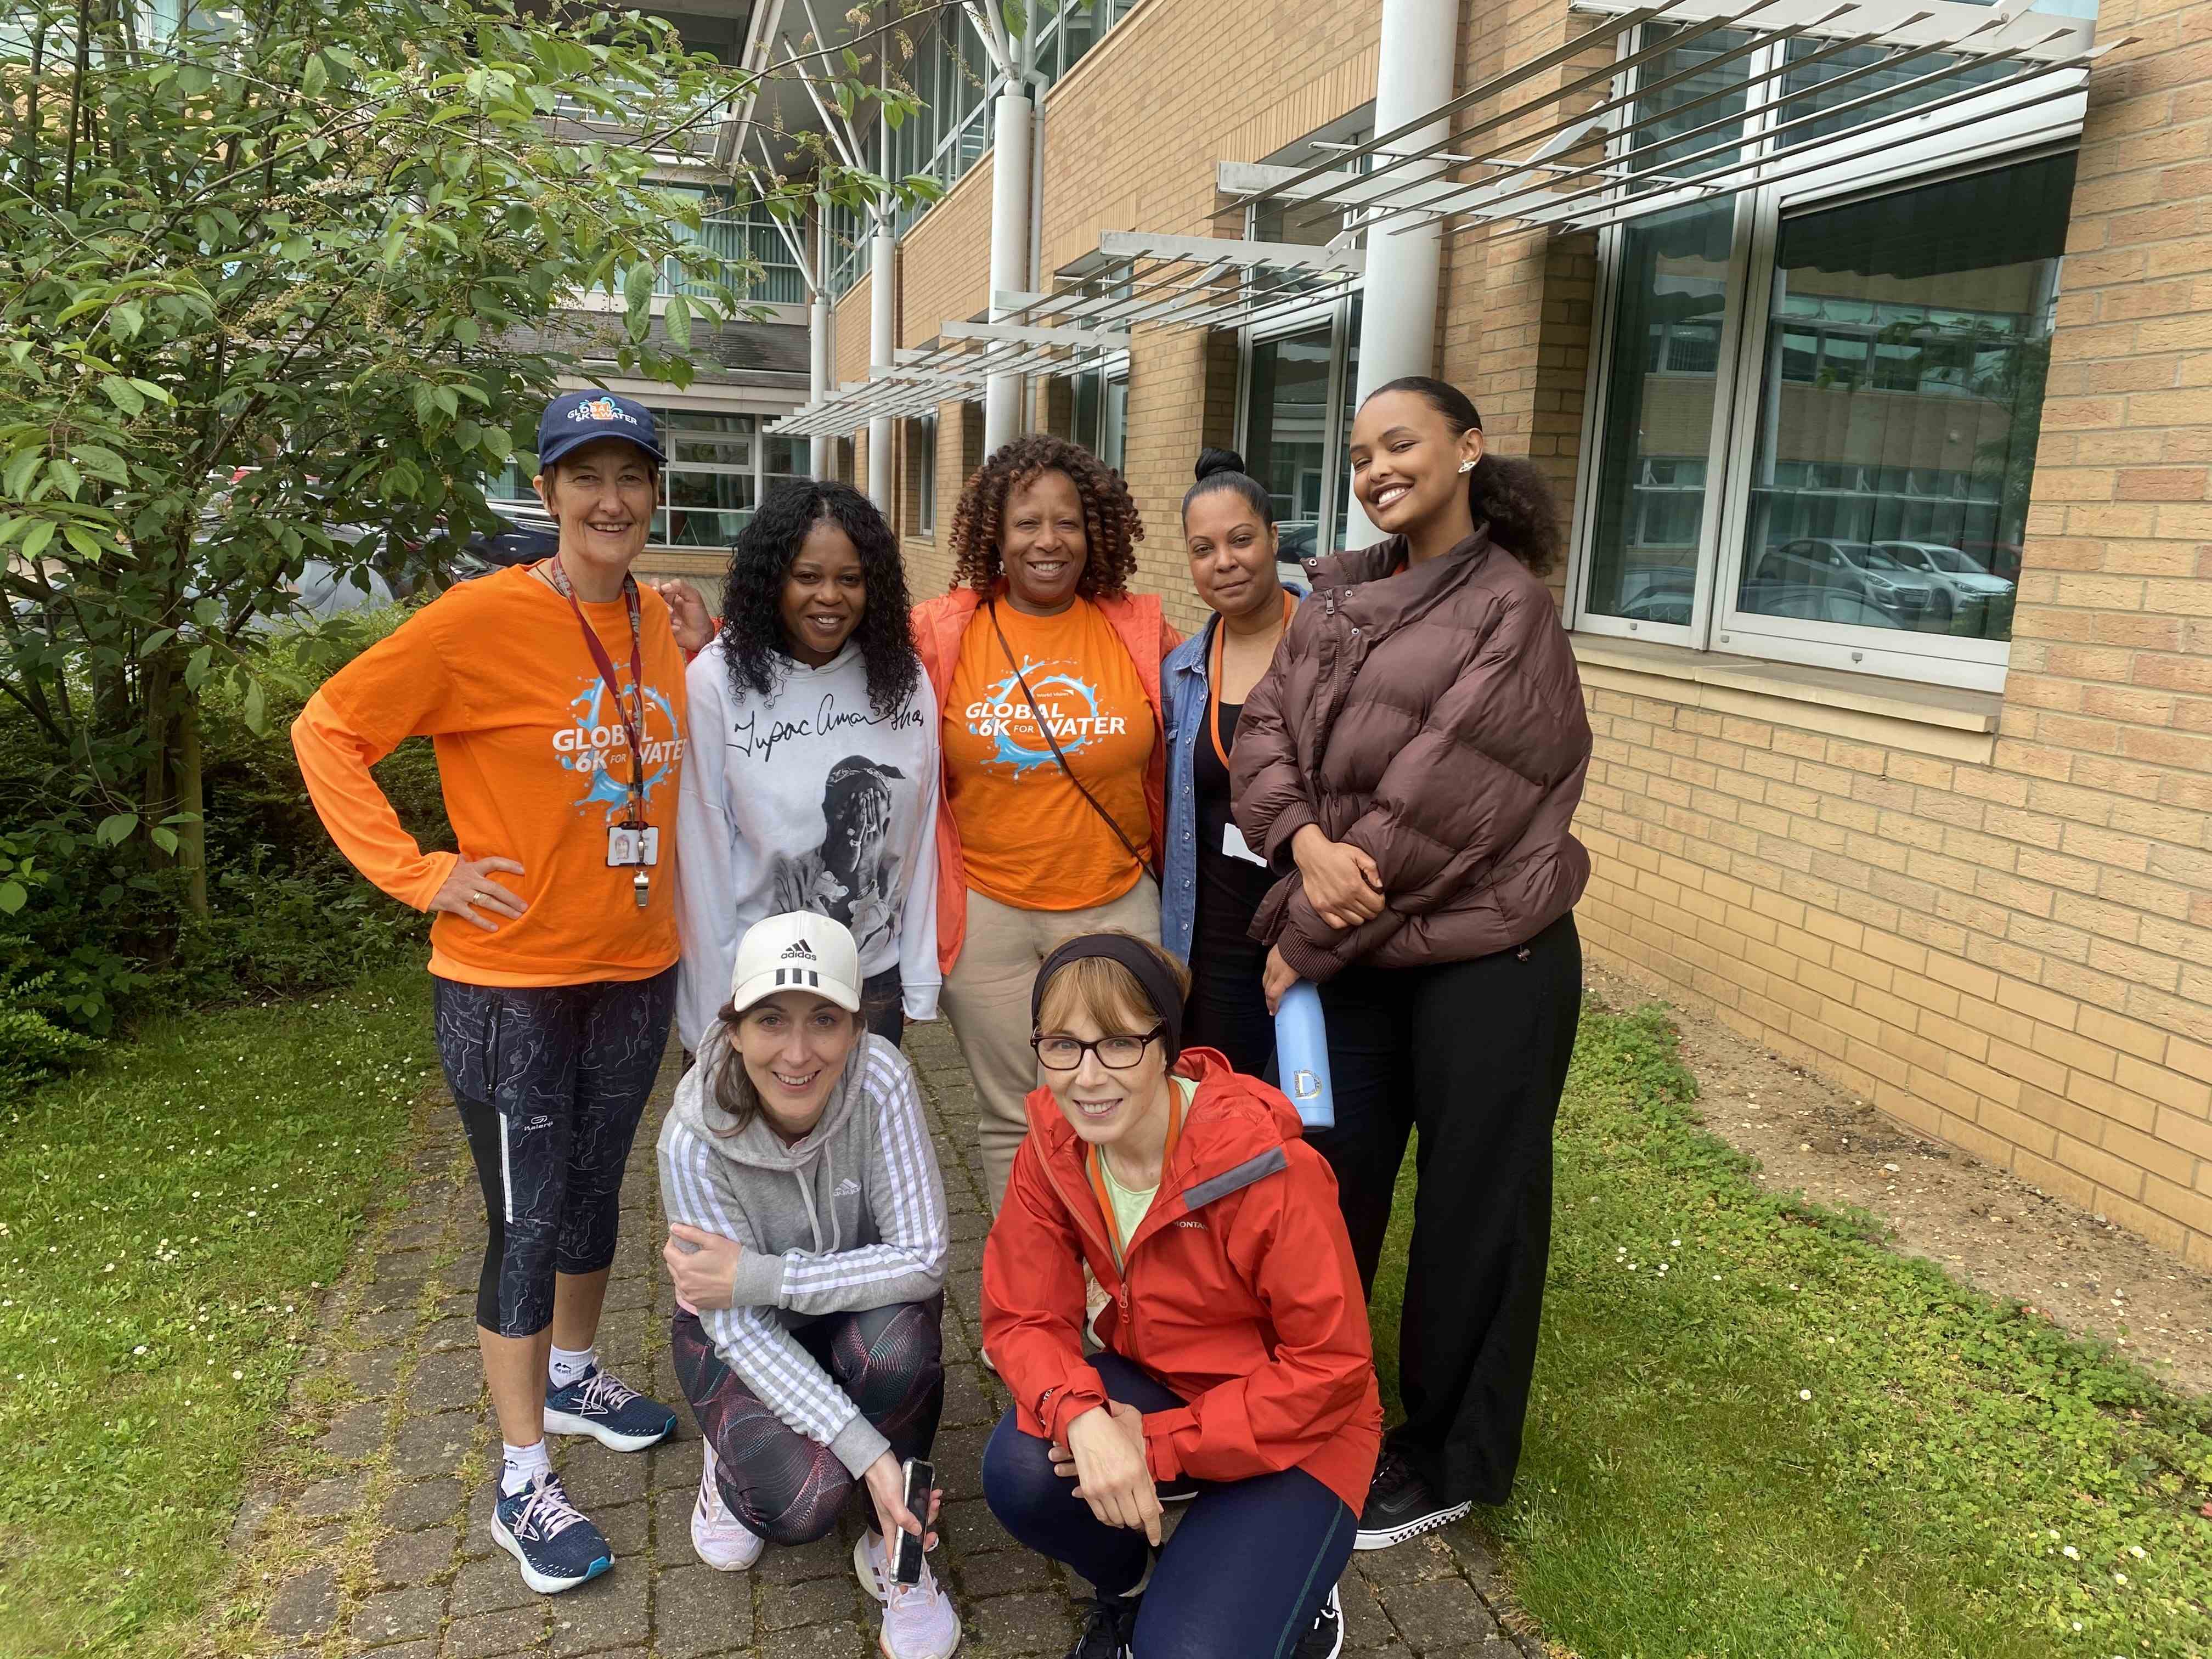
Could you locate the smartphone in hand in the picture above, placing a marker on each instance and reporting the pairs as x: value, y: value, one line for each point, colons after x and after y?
x: 906, y: 1549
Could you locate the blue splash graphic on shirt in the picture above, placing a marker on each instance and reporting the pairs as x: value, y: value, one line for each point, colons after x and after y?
x: 595, y: 712
x: 1052, y: 690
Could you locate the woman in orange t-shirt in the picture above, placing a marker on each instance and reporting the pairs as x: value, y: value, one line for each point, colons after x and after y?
x: 555, y: 696
x: 1045, y: 829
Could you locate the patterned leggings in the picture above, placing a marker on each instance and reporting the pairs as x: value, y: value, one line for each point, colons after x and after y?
x: 784, y: 1486
x: 550, y: 1081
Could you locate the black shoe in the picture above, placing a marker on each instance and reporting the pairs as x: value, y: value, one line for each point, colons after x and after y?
x: 1399, y: 1505
x: 1326, y: 1639
x: 1106, y: 1628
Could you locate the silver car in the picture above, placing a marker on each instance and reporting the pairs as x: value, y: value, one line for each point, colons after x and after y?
x: 1976, y: 601
x: 1860, y: 568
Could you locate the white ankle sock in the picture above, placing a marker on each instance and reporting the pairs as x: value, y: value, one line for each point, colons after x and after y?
x: 523, y: 1465
x: 567, y: 1364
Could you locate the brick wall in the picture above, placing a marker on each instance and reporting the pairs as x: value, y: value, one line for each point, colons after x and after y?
x: 2003, y: 941
x: 1989, y: 916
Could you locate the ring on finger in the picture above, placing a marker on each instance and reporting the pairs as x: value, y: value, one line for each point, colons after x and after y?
x: 480, y: 897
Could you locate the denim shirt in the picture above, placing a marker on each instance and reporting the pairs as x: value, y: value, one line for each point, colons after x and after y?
x: 1184, y: 695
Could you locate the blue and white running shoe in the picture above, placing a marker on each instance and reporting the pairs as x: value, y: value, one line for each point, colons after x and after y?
x: 617, y: 1416
x: 558, y: 1548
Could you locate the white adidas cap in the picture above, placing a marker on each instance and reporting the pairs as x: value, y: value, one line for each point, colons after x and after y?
x: 798, y: 951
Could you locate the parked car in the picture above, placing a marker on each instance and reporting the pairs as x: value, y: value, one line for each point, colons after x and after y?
x: 522, y: 537
x: 324, y: 590
x: 1855, y: 568
x: 1978, y: 604
x: 1659, y: 605
x: 1808, y: 602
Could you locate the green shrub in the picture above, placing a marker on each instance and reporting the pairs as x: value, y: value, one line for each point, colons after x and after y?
x: 91, y: 940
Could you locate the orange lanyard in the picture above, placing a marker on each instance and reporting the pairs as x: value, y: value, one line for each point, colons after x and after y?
x: 1090, y: 1159
x: 1213, y: 679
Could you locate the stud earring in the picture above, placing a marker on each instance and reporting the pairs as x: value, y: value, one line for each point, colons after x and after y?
x: 1466, y: 466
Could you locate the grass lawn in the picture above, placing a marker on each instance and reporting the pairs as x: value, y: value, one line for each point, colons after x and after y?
x: 166, y: 1219
x: 1758, y: 1432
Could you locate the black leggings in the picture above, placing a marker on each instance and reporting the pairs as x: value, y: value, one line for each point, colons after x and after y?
x: 1474, y: 1055
x: 783, y: 1485
x: 550, y: 1081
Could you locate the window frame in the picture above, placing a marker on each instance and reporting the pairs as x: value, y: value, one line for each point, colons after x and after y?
x: 921, y: 438
x: 2009, y: 138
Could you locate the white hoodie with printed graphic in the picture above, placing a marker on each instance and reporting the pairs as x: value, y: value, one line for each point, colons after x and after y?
x: 805, y: 800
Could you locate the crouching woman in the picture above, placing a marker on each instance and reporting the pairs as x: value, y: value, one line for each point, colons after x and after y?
x: 807, y: 1244
x: 1236, y: 1367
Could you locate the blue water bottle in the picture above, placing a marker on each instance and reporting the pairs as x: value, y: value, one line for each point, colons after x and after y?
x: 1302, y: 1054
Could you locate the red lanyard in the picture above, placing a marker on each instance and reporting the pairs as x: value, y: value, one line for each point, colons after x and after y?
x: 1214, y: 680
x: 631, y: 724
x: 1093, y: 1158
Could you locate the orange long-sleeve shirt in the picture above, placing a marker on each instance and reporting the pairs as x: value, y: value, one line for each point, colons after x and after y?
x: 533, y: 763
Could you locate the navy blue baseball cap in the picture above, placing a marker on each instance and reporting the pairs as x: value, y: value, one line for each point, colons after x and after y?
x: 575, y: 418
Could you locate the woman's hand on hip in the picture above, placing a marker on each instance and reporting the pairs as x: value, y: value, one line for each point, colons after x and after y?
x: 1105, y: 1455
x: 886, y: 1483
x: 703, y: 1265
x: 1278, y: 978
x: 471, y: 892
x: 1342, y: 883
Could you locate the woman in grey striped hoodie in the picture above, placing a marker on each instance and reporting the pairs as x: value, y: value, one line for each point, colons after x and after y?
x: 807, y: 1245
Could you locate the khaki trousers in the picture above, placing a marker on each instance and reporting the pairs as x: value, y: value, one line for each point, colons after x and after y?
x: 986, y: 998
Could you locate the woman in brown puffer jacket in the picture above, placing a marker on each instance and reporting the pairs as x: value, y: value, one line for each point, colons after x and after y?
x: 1411, y: 764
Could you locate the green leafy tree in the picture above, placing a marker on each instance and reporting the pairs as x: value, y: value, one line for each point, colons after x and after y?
x: 283, y: 266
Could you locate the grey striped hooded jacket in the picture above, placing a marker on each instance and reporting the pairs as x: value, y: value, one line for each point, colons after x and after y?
x: 850, y: 1217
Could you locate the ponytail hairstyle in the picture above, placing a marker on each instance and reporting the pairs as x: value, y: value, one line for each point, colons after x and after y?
x: 1223, y: 469
x: 1510, y: 495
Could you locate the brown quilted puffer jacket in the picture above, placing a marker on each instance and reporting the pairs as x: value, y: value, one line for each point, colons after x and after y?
x: 1434, y: 718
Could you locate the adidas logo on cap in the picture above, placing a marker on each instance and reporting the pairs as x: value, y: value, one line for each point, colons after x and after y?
x: 798, y: 948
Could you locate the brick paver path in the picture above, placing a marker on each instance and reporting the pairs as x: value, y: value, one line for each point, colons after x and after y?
x: 387, y: 1550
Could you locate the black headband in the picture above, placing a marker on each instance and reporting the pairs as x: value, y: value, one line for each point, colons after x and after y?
x: 1154, y: 976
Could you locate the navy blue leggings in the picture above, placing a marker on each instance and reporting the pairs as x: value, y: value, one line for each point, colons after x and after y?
x: 1245, y: 1571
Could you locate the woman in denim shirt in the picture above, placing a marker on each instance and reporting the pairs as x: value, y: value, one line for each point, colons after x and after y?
x: 1212, y: 882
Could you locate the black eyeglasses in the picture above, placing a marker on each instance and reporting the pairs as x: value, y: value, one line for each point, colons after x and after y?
x: 1115, y: 1053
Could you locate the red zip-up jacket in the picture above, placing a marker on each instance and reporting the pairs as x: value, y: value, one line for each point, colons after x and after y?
x: 1241, y: 1294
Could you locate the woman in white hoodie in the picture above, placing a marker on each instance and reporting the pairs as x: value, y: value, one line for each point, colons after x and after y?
x: 810, y: 782
x: 807, y: 1242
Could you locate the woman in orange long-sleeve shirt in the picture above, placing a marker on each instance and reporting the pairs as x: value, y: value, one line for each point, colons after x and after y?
x: 554, y: 694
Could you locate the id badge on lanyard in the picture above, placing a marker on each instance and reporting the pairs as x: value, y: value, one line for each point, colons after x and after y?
x: 633, y: 844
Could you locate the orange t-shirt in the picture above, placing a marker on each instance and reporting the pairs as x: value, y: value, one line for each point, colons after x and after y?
x: 1027, y: 836
x: 534, y: 765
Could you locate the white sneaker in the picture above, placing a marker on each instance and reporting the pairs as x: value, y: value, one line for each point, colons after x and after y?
x: 918, y: 1622
x: 721, y: 1539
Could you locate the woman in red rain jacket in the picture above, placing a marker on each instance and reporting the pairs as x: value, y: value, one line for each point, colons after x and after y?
x: 1236, y: 1367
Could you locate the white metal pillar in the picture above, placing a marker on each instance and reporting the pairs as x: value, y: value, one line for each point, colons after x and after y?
x: 1014, y: 122
x: 881, y: 279
x: 1398, y: 324
x: 817, y: 346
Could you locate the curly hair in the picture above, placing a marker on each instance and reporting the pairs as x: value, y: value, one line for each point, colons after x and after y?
x: 1512, y: 496
x: 1111, y: 526
x: 752, y: 596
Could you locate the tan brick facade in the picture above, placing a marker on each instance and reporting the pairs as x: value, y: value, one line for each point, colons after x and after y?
x: 1991, y: 915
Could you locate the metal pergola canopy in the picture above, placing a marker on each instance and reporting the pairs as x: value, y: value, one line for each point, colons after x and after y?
x: 1132, y: 280
x: 1578, y: 152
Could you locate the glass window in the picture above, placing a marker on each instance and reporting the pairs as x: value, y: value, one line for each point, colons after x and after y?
x: 1286, y: 442
x: 1349, y: 377
x: 1102, y: 414
x: 922, y: 457
x: 1657, y: 433
x: 1910, y: 454
x: 783, y: 457
x: 708, y: 486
